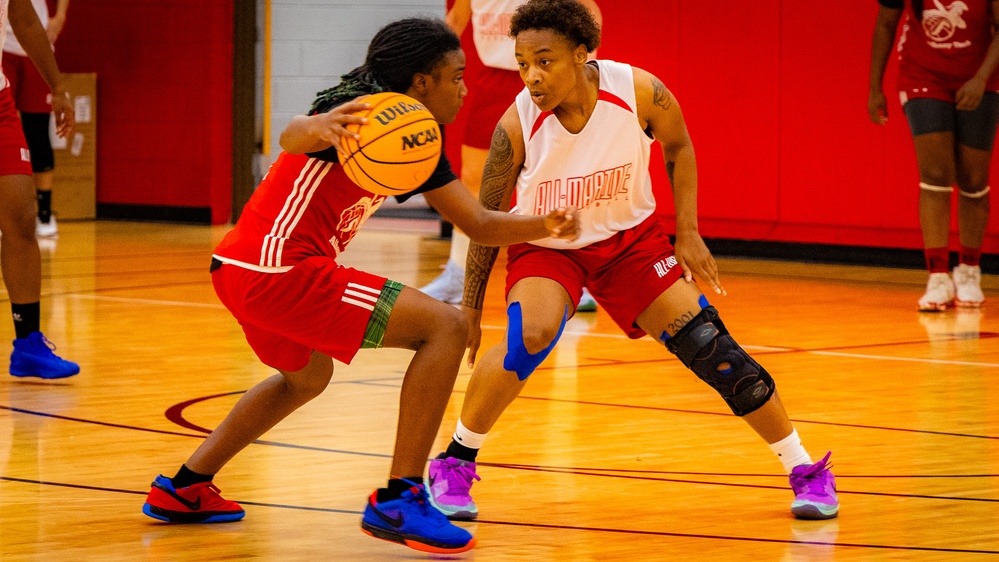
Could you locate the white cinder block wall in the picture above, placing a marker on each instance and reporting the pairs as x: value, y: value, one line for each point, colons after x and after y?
x: 313, y: 42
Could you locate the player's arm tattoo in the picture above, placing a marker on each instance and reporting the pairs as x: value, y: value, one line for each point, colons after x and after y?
x: 497, y: 179
x: 660, y: 95
x: 670, y: 166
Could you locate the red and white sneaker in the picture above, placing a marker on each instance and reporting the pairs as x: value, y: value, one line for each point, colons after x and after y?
x: 197, y: 503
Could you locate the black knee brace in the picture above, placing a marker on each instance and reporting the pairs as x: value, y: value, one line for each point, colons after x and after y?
x: 36, y: 132
x: 705, y: 347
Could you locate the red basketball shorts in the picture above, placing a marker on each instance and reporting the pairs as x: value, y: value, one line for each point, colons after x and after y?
x: 14, y: 155
x: 624, y: 273
x: 317, y: 305
x: 30, y: 92
x: 491, y: 92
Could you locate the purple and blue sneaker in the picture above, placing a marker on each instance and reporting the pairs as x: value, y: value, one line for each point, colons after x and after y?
x: 450, y: 482
x: 814, y: 490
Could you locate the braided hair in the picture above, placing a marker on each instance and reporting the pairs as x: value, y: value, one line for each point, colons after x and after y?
x: 396, y: 53
x: 568, y: 18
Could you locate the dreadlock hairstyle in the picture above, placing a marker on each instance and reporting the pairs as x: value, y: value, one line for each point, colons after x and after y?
x: 568, y: 18
x: 396, y: 53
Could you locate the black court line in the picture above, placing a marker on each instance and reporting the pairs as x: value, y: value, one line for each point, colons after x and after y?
x: 728, y: 484
x: 632, y: 532
x: 175, y: 413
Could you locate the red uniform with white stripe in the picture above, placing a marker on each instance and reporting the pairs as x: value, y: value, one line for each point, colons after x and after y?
x: 944, y: 48
x: 14, y: 155
x: 282, y: 281
x: 623, y: 255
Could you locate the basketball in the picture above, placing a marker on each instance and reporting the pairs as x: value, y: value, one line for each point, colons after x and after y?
x: 398, y: 148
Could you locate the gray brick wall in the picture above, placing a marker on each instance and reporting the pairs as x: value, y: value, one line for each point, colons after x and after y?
x: 313, y: 42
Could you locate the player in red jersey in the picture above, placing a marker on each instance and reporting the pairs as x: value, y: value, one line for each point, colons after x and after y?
x: 20, y: 259
x: 276, y: 271
x: 949, y: 88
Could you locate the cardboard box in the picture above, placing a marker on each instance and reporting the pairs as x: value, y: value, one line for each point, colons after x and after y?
x: 74, y: 184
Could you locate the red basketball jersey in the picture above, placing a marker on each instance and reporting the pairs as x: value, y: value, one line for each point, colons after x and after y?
x: 304, y: 207
x: 947, y: 44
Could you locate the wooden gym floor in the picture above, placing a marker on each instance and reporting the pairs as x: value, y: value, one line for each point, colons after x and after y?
x: 614, y: 452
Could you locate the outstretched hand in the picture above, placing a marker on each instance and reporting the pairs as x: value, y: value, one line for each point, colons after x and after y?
x: 331, y: 126
x: 563, y: 223
x: 696, y: 260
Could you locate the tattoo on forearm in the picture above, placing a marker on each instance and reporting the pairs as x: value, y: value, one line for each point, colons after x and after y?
x: 497, y: 178
x: 678, y: 323
x: 478, y: 265
x: 670, y: 166
x: 660, y: 95
x: 498, y: 169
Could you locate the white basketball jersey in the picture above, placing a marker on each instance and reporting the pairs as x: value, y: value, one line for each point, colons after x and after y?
x: 11, y: 45
x: 491, y: 32
x: 603, y: 170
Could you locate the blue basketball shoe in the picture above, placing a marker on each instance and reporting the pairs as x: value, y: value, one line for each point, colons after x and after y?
x: 33, y: 357
x: 412, y: 521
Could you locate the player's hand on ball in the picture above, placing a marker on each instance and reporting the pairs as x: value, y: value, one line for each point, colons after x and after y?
x: 331, y: 126
x: 563, y: 223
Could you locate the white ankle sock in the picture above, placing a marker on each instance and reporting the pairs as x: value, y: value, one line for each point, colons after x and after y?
x: 790, y: 451
x: 467, y: 437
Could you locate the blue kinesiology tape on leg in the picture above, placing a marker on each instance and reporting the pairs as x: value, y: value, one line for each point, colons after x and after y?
x: 517, y: 357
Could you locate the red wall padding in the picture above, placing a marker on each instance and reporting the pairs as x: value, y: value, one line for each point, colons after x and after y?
x: 164, y: 76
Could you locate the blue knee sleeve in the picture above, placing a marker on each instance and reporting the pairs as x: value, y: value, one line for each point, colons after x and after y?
x: 517, y: 358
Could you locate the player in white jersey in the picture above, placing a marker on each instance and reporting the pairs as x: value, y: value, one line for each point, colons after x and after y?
x: 20, y: 259
x: 492, y: 86
x: 581, y: 133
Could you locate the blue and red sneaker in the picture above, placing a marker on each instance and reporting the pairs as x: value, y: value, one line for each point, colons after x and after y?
x: 197, y: 503
x: 412, y: 521
x: 814, y: 490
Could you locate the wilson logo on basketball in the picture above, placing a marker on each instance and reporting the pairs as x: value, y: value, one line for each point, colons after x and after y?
x: 420, y: 139
x: 389, y: 114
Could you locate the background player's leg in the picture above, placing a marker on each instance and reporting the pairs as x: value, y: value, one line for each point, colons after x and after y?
x: 973, y: 205
x: 20, y: 259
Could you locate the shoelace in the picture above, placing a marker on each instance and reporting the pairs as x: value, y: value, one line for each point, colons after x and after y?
x: 418, y: 494
x: 48, y: 344
x: 809, y: 478
x: 459, y: 476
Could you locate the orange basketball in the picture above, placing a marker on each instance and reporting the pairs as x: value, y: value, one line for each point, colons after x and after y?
x: 399, y: 147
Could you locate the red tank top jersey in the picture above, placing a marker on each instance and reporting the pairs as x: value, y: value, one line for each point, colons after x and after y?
x: 947, y: 44
x: 305, y: 206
